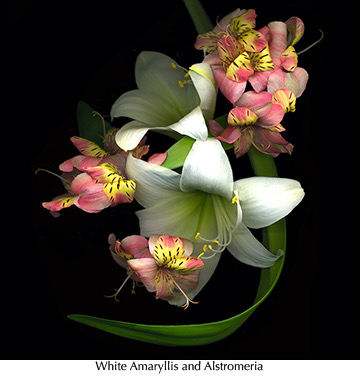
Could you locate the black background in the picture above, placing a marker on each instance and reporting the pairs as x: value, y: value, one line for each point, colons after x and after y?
x: 72, y: 50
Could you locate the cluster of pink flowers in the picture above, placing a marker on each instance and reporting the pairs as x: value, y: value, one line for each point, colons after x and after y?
x: 266, y: 58
x: 96, y: 178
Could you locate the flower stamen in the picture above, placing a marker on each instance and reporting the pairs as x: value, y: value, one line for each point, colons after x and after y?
x: 118, y: 291
x: 188, y: 301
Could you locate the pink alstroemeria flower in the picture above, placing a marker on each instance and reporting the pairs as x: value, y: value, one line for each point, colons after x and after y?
x: 237, y: 52
x: 103, y: 182
x: 170, y: 270
x: 281, y: 37
x: 83, y: 192
x: 255, y: 121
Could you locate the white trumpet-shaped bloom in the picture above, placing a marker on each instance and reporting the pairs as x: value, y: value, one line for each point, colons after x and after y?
x: 206, y: 206
x: 168, y: 99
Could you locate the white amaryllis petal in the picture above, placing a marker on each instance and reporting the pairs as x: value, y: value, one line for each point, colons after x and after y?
x: 265, y: 200
x: 163, y: 102
x: 151, y: 107
x: 192, y: 125
x: 154, y: 184
x: 247, y: 249
x: 207, y: 168
x: 129, y: 136
x: 159, y: 73
x: 203, y: 79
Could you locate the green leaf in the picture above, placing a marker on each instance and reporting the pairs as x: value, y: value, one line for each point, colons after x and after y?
x: 90, y: 124
x: 198, y: 15
x: 178, y: 152
x: 200, y: 334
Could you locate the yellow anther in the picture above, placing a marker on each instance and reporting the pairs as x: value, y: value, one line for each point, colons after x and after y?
x: 197, y: 236
x: 173, y: 65
x: 187, y: 74
x: 216, y: 241
x: 205, y: 247
x: 200, y: 255
x: 181, y: 84
x: 235, y: 200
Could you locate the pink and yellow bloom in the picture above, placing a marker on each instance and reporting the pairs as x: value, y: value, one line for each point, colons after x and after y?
x: 281, y: 37
x: 240, y: 52
x: 170, y: 271
x: 256, y: 121
x: 95, y: 179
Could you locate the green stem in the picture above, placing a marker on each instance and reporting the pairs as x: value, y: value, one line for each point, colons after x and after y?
x: 198, y: 15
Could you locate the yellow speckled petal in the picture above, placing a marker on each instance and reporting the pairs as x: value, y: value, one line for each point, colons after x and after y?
x: 88, y: 148
x: 240, y: 69
x: 289, y: 59
x: 242, y: 23
x: 168, y: 248
x: 120, y: 190
x: 286, y: 98
x: 261, y: 61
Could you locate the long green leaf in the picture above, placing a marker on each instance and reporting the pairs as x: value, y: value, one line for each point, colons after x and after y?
x: 198, y: 15
x: 200, y: 334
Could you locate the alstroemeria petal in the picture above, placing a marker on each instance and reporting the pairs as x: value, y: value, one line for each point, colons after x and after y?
x: 247, y: 249
x: 295, y: 81
x: 286, y: 98
x: 207, y: 41
x: 185, y: 265
x: 146, y: 269
x: 137, y: 246
x: 278, y: 41
x: 261, y: 61
x: 243, y: 22
x: 253, y: 100
x: 241, y: 116
x: 265, y: 200
x: 270, y: 116
x: 271, y: 142
x: 154, y: 183
x: 168, y: 248
x: 207, y: 168
x: 88, y: 148
x: 252, y: 41
x: 289, y: 59
x: 232, y: 90
x: 240, y: 69
x: 58, y: 203
x: 295, y: 27
x: 91, y: 197
x: 229, y: 49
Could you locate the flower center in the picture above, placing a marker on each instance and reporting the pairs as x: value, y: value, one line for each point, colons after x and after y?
x: 228, y: 217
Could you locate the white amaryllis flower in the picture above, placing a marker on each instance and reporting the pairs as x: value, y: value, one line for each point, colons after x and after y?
x: 167, y: 100
x: 205, y: 205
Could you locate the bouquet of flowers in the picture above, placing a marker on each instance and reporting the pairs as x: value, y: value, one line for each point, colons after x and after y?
x: 193, y: 209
